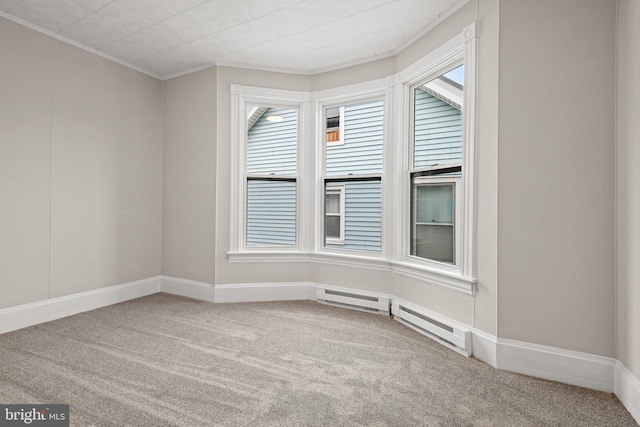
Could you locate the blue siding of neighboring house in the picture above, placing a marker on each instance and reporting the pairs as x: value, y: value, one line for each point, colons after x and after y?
x: 363, y: 141
x: 438, y: 131
x: 363, y: 215
x: 272, y: 146
x: 271, y: 213
x: 271, y: 204
x: 360, y: 153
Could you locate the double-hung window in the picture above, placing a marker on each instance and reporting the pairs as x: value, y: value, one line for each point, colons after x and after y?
x: 352, y: 175
x: 271, y: 176
x: 437, y: 167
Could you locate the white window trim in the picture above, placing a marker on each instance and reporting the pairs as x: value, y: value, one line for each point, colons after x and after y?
x: 396, y: 187
x: 340, y: 190
x: 461, y: 49
x: 242, y: 98
x: 355, y: 94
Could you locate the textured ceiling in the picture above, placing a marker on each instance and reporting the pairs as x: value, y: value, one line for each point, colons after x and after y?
x: 170, y: 37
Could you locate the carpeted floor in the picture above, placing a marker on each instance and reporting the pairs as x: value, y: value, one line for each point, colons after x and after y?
x: 166, y: 360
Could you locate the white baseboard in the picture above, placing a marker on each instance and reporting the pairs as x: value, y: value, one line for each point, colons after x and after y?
x: 255, y: 292
x: 187, y: 288
x: 485, y: 347
x: 22, y: 316
x: 556, y: 364
x: 627, y: 388
x: 581, y: 369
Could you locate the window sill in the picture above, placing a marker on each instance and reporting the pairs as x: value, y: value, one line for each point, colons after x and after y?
x: 429, y: 275
x: 268, y: 256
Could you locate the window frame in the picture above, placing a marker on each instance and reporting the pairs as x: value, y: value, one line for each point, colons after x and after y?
x: 243, y: 99
x: 343, y: 97
x: 340, y: 189
x: 396, y: 189
x: 340, y: 141
x: 459, y: 50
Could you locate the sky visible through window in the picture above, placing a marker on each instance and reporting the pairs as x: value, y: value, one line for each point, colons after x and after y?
x: 457, y: 75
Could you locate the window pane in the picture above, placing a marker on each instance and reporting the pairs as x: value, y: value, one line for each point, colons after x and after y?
x: 332, y: 227
x: 432, y: 228
x: 435, y: 204
x: 272, y: 140
x: 438, y: 120
x: 361, y: 151
x: 435, y: 242
x: 333, y: 203
x: 271, y: 213
x: 333, y: 118
x: 362, y: 216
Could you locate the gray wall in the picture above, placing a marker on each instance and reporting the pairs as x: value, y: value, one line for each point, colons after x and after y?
x: 556, y: 174
x: 189, y: 176
x: 80, y: 169
x: 628, y: 203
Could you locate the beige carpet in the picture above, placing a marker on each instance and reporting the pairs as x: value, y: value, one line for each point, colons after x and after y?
x: 166, y: 360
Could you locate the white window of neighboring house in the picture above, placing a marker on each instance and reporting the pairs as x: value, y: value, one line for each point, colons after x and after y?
x: 355, y: 166
x: 334, y: 215
x: 335, y: 125
x: 435, y: 215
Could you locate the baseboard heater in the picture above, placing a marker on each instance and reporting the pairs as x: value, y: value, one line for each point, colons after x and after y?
x: 442, y: 330
x: 354, y: 300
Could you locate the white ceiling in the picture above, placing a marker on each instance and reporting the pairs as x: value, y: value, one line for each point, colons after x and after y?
x: 170, y: 37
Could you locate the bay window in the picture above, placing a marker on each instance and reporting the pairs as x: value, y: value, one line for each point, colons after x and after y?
x: 318, y: 176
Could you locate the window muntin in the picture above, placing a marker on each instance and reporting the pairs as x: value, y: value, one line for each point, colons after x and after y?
x: 356, y: 165
x: 435, y: 176
x: 271, y: 176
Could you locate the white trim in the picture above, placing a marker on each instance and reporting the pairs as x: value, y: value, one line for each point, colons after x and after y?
x: 241, y: 97
x: 627, y: 388
x: 256, y: 292
x: 459, y: 50
x: 395, y: 52
x: 441, y: 18
x: 436, y: 277
x: 466, y: 285
x: 566, y: 366
x: 556, y: 364
x: 22, y: 316
x: 81, y: 46
x: 187, y: 288
x: 268, y: 256
x: 485, y: 347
